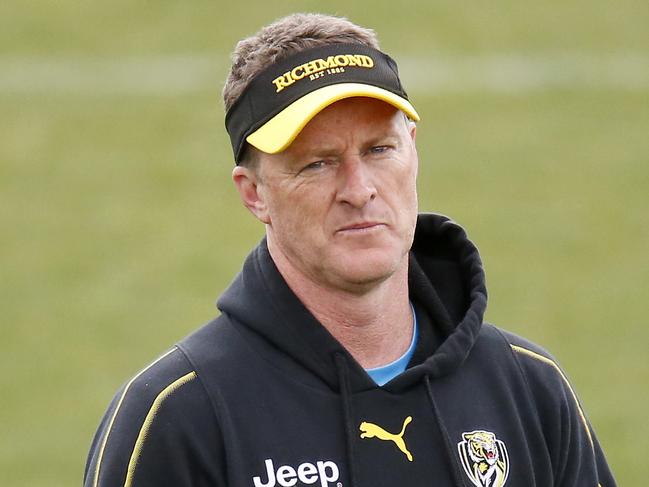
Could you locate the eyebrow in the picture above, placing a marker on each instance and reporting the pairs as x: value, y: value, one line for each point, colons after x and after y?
x: 325, y: 150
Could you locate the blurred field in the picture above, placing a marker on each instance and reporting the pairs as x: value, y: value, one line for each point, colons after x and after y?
x: 120, y: 227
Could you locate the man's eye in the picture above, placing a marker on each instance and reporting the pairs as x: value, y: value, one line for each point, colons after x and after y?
x: 314, y: 165
x: 379, y: 149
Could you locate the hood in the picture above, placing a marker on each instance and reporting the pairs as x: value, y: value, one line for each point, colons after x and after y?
x: 447, y: 287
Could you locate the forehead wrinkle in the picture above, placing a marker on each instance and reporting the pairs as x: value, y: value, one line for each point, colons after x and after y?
x: 334, y: 142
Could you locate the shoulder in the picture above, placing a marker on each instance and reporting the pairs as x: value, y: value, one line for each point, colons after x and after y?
x: 532, y: 357
x: 161, y: 413
x: 157, y: 383
x: 573, y: 447
x: 536, y: 363
x: 548, y: 385
x: 538, y: 366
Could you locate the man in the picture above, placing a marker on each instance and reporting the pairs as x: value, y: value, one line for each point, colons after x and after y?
x: 350, y: 350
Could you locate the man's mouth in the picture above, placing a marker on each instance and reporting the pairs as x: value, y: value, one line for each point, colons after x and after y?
x: 361, y: 227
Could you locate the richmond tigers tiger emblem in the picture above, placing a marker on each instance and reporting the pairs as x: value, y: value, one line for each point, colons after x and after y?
x: 484, y: 458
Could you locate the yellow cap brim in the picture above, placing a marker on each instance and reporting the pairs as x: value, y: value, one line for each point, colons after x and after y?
x: 278, y: 133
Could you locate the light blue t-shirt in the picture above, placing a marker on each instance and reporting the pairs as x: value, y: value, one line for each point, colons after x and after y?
x: 385, y: 373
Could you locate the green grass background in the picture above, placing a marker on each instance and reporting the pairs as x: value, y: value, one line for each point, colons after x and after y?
x: 120, y: 227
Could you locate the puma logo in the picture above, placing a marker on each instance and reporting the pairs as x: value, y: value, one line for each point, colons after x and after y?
x: 371, y: 430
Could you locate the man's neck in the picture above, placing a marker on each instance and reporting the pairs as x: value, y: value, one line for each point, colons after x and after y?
x: 375, y: 325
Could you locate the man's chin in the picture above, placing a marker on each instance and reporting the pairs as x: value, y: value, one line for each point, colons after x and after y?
x: 365, y: 270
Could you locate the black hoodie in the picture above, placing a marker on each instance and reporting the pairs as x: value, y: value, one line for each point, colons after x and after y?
x: 264, y: 396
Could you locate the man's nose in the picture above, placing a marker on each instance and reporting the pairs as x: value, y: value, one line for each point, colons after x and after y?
x: 356, y: 183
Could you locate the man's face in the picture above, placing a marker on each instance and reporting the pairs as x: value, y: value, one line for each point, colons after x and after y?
x: 340, y: 203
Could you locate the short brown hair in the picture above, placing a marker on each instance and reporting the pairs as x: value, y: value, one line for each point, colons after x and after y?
x: 284, y: 37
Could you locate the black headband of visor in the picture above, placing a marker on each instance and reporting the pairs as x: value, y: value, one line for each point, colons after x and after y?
x: 286, y: 81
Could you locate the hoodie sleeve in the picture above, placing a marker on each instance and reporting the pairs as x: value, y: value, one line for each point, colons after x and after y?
x: 160, y: 429
x: 577, y: 458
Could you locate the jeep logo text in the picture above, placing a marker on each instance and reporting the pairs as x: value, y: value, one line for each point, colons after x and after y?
x: 306, y: 473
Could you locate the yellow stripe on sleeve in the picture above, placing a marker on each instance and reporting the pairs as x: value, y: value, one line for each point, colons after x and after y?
x: 546, y: 360
x: 119, y: 405
x: 148, y: 421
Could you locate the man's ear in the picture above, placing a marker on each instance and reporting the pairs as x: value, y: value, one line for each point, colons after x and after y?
x: 412, y: 129
x: 247, y: 182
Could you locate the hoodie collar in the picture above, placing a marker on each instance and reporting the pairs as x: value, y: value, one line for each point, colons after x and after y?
x: 446, y: 284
